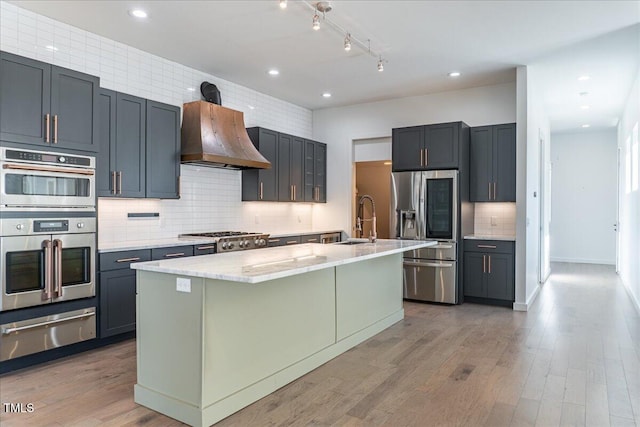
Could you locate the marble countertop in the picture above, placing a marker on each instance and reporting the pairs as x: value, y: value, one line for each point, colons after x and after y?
x: 511, y: 238
x: 261, y: 265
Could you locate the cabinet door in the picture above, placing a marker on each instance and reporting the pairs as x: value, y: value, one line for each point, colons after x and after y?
x: 268, y: 178
x: 500, y: 276
x: 406, y: 146
x: 441, y: 144
x: 74, y: 106
x: 321, y: 172
x: 285, y: 193
x: 105, y: 159
x: 162, y: 150
x: 130, y: 145
x: 296, y: 167
x: 117, y: 302
x: 309, y: 171
x: 480, y: 163
x: 473, y: 274
x: 25, y: 99
x: 504, y: 162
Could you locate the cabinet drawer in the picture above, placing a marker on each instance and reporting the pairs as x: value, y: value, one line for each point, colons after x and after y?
x: 204, y: 249
x: 171, y: 252
x: 310, y: 238
x: 489, y: 246
x: 122, y: 260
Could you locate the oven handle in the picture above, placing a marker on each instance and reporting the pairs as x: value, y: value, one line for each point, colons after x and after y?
x: 48, y: 265
x: 204, y: 248
x: 57, y: 245
x: 426, y: 264
x: 7, y: 331
x: 48, y: 169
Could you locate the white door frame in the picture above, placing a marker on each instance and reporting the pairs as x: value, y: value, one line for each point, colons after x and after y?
x: 544, y: 206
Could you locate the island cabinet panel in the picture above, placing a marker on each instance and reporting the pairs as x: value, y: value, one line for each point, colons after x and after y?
x: 361, y: 303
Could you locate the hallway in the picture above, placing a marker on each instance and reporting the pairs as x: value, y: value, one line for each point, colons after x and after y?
x: 572, y: 360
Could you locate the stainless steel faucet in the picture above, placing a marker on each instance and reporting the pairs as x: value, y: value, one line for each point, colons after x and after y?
x: 373, y: 234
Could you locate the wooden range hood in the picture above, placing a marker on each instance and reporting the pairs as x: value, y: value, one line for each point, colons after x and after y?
x: 215, y: 136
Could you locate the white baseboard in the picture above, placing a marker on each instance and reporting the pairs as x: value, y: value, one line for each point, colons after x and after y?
x: 585, y: 261
x: 518, y: 306
x: 634, y: 299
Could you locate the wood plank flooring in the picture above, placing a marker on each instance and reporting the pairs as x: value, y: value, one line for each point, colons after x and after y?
x: 572, y: 360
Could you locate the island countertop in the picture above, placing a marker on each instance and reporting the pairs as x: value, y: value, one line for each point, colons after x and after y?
x: 260, y: 265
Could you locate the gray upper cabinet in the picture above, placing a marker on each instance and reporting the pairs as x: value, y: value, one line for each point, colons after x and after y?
x: 492, y: 163
x: 262, y: 184
x: 428, y: 147
x: 139, y: 147
x: 46, y: 105
x: 162, y: 150
x: 298, y: 169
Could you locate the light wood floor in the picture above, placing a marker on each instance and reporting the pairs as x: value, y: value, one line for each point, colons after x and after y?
x: 573, y: 359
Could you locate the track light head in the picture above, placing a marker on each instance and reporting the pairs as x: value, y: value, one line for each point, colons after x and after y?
x: 316, y: 22
x: 347, y: 42
x: 381, y: 65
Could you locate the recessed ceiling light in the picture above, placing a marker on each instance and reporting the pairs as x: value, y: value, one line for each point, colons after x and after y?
x: 454, y: 74
x: 273, y: 72
x: 584, y: 78
x: 583, y: 93
x: 283, y: 4
x: 138, y: 13
x: 584, y: 107
x: 586, y: 126
x: 191, y: 89
x: 326, y: 95
x: 51, y: 48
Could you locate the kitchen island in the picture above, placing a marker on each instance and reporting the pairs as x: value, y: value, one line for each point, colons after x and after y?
x: 218, y: 332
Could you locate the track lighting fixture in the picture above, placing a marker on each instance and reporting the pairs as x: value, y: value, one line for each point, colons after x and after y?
x: 283, y: 4
x: 316, y: 21
x: 347, y: 42
x: 380, y: 65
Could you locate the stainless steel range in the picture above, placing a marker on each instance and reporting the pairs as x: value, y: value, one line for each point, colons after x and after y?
x: 230, y: 241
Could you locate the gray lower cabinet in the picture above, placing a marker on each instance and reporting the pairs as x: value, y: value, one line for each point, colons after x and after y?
x: 492, y: 163
x: 139, y: 147
x: 47, y: 106
x: 117, y: 291
x: 489, y: 271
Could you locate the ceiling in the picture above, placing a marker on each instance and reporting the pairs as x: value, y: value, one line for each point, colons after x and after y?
x: 420, y: 42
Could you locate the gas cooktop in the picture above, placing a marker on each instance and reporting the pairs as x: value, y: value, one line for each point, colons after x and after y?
x: 228, y: 241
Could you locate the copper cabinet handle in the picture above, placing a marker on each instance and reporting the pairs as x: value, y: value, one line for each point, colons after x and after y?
x: 274, y: 240
x: 292, y: 242
x: 204, y: 248
x: 311, y: 240
x: 489, y: 190
x: 120, y: 182
x: 57, y: 245
x: 487, y: 246
x: 484, y: 265
x: 113, y: 182
x: 494, y: 190
x: 426, y: 156
x: 128, y: 259
x: 47, y: 124
x: 261, y: 193
x: 48, y: 265
x: 55, y: 128
x: 174, y: 255
x: 421, y: 157
x: 489, y: 264
x: 294, y: 192
x: 291, y: 192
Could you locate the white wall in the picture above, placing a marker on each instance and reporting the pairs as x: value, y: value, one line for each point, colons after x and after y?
x: 211, y: 197
x: 630, y: 201
x: 583, y: 191
x: 339, y: 127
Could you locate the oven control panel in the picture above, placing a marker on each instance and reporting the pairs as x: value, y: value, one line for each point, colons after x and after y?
x: 48, y: 158
x: 34, y: 226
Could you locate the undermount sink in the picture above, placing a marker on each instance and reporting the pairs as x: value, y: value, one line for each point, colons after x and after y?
x: 353, y: 242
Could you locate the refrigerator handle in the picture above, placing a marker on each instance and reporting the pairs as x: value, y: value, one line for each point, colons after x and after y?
x: 422, y: 230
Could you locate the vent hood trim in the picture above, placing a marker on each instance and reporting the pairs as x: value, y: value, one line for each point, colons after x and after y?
x: 215, y: 136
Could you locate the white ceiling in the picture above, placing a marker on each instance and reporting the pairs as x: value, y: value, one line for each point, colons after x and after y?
x: 420, y: 40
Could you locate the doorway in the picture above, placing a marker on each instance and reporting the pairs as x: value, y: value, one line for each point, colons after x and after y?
x: 374, y: 179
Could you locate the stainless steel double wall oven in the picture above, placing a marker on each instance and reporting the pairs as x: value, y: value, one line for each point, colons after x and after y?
x: 47, y: 247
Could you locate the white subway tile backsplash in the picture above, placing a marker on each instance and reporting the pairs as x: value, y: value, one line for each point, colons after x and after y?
x: 504, y: 215
x: 211, y: 198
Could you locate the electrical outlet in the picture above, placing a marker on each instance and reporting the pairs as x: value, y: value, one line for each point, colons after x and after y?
x: 494, y: 220
x: 183, y: 284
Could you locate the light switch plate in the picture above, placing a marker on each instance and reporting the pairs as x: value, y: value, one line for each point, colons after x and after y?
x: 183, y: 284
x: 494, y: 220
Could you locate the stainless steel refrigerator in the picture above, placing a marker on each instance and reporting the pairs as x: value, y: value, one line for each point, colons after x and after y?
x: 426, y: 206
